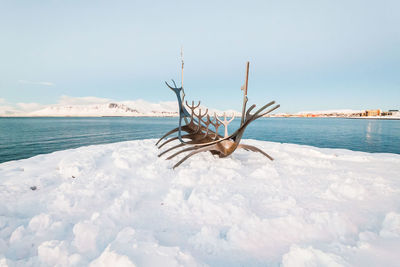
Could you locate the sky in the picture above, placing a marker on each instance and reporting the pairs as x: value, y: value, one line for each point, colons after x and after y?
x: 305, y: 55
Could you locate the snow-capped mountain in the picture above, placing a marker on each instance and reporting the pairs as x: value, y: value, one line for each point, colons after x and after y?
x: 131, y: 108
x: 332, y: 111
x: 137, y: 108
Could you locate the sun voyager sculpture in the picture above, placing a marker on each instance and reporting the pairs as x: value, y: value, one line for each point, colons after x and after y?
x: 198, y: 132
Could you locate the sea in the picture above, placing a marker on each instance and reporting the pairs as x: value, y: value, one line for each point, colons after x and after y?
x: 22, y: 138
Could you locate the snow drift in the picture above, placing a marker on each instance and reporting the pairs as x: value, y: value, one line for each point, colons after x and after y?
x: 121, y: 205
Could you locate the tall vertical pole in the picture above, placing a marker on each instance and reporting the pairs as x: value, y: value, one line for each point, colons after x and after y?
x: 182, y: 66
x: 183, y: 90
x: 244, y: 88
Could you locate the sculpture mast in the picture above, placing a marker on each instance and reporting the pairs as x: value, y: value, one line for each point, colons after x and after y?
x: 244, y: 88
x: 182, y: 67
x: 183, y: 90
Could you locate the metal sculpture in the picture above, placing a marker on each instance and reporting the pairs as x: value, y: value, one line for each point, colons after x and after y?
x: 201, y: 131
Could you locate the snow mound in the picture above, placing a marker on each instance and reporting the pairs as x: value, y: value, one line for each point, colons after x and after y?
x: 121, y: 205
x: 299, y: 257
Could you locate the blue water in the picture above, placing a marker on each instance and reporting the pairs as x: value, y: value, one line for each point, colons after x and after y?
x: 26, y: 137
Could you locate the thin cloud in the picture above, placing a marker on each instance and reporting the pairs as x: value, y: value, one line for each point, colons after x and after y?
x: 36, y: 83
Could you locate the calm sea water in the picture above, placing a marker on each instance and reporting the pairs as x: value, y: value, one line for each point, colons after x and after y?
x: 26, y: 137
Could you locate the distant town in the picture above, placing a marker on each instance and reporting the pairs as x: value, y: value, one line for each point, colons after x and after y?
x: 373, y: 113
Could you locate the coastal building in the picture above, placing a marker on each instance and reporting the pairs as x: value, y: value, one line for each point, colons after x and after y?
x: 373, y: 112
x: 394, y: 112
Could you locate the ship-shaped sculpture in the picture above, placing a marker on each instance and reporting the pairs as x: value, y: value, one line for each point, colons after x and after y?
x: 199, y: 132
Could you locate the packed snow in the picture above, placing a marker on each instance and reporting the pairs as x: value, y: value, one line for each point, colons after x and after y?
x: 120, y: 205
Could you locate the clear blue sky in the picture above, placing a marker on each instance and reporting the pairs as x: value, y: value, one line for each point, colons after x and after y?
x: 306, y: 55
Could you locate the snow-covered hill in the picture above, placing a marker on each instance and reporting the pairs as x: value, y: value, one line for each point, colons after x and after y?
x: 332, y: 111
x: 121, y: 205
x: 135, y: 108
x: 131, y: 108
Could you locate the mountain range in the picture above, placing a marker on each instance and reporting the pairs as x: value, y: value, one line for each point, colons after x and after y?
x: 137, y: 108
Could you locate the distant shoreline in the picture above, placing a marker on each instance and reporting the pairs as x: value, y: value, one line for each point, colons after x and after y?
x: 373, y: 118
x: 148, y: 116
x: 362, y: 118
x: 356, y: 118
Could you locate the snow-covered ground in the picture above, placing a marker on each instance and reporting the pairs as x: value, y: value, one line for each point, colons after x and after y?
x: 121, y: 205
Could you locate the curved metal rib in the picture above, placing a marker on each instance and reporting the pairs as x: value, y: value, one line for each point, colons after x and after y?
x: 172, y: 148
x: 254, y: 149
x: 168, y: 133
x: 173, y: 139
x: 183, y: 150
x: 184, y: 128
x: 204, y: 149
